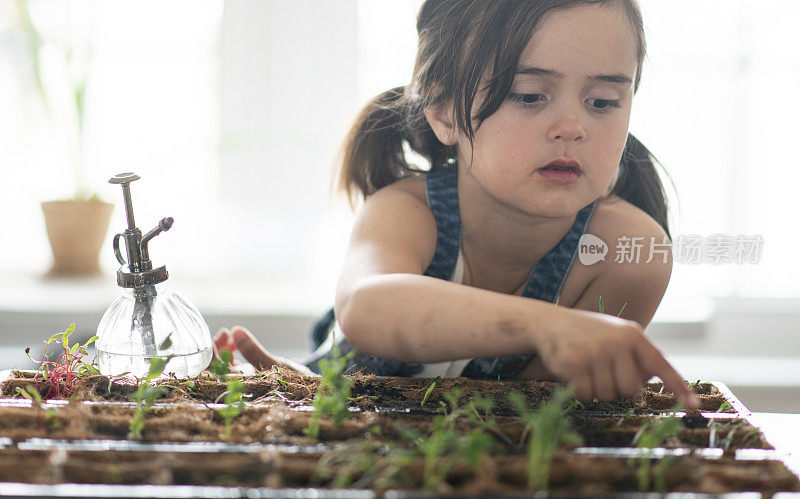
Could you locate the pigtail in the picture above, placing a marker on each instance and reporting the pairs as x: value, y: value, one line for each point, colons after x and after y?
x: 639, y: 182
x: 373, y: 154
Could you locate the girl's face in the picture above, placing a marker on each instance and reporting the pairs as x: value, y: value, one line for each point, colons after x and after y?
x: 570, y: 100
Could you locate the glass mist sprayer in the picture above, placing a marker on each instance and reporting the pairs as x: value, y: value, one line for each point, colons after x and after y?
x: 138, y: 322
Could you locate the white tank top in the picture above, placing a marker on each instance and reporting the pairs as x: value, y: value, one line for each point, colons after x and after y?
x: 453, y: 368
x: 449, y: 369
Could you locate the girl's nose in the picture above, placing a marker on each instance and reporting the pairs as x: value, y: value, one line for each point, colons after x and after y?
x: 567, y: 129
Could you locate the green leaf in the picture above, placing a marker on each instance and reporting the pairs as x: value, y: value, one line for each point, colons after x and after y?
x: 23, y: 393
x: 157, y: 365
x: 428, y: 392
x: 166, y: 343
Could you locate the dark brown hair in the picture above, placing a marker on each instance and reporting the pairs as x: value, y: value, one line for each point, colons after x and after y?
x: 458, y: 40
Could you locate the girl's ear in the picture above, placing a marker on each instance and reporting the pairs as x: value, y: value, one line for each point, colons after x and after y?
x: 440, y: 118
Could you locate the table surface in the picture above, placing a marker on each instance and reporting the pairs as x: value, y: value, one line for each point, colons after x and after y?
x: 783, y: 432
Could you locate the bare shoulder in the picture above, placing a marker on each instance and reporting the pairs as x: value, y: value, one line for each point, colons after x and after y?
x: 395, y: 230
x: 413, y: 186
x: 616, y: 218
x: 637, y: 268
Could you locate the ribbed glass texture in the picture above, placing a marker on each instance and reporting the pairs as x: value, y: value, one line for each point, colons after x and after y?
x: 136, y: 325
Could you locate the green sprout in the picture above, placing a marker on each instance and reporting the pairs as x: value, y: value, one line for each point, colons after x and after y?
x: 147, y: 393
x: 650, y: 436
x: 63, y: 375
x: 31, y: 394
x: 629, y: 413
x: 725, y: 442
x: 333, y: 392
x: 428, y: 392
x: 233, y: 394
x: 444, y: 447
x: 385, y: 465
x: 549, y: 429
x: 601, y: 307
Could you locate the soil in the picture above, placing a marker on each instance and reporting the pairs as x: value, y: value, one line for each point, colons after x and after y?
x: 86, y: 439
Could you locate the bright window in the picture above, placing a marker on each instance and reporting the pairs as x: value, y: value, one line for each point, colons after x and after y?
x: 233, y: 112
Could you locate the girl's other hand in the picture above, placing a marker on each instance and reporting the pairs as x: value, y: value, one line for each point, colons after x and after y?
x: 241, y: 340
x: 604, y: 357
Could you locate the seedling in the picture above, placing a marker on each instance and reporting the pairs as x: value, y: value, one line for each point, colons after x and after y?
x: 146, y: 393
x: 724, y: 407
x: 549, y: 429
x: 428, y: 392
x: 35, y: 397
x: 233, y: 394
x: 445, y: 446
x: 31, y: 394
x: 333, y: 392
x: 601, y: 307
x: 630, y: 412
x: 63, y: 375
x: 649, y: 436
x: 382, y: 466
x: 726, y: 441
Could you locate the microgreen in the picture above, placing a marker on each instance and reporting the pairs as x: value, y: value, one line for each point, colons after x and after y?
x: 146, y: 393
x: 445, y: 446
x: 601, y: 307
x: 428, y: 392
x: 333, y: 392
x: 63, y: 375
x: 649, y: 436
x: 31, y: 394
x: 233, y: 394
x: 548, y: 428
x: 726, y: 441
x: 630, y: 412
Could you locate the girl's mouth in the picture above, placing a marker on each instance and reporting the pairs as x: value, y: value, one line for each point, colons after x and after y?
x: 563, y: 170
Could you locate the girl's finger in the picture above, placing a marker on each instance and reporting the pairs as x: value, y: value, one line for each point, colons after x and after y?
x: 582, y: 387
x: 222, y: 340
x: 252, y: 350
x: 655, y: 363
x: 627, y: 378
x: 603, y: 381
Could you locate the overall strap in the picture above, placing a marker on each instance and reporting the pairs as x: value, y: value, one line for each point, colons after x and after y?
x: 441, y: 186
x: 547, y: 277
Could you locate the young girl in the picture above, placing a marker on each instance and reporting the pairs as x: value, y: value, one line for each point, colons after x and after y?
x: 468, y: 267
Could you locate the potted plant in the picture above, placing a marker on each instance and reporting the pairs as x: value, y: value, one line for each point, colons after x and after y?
x: 77, y: 225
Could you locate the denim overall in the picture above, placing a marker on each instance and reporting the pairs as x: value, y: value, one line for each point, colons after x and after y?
x: 544, y: 283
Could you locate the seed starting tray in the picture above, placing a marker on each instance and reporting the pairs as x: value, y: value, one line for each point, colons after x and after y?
x: 72, y: 467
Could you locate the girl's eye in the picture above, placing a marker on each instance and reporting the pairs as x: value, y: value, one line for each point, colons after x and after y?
x: 526, y: 98
x: 603, y: 104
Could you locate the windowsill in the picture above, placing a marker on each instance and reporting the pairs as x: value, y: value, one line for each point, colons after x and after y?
x: 23, y: 292
x: 33, y: 307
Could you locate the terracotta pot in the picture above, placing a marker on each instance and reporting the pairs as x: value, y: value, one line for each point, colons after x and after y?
x: 76, y: 230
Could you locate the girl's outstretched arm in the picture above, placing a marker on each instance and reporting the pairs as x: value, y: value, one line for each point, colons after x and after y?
x: 386, y: 307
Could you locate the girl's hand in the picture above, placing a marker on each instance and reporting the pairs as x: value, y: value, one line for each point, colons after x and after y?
x: 604, y: 357
x: 241, y: 340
